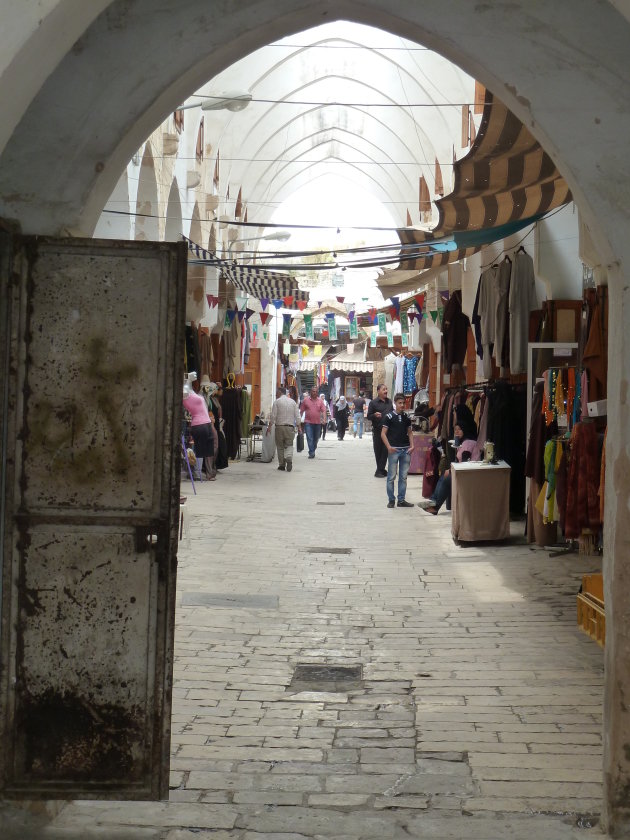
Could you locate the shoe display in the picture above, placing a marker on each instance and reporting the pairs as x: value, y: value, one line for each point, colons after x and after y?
x: 281, y: 468
x: 290, y: 465
x: 391, y: 504
x: 404, y: 504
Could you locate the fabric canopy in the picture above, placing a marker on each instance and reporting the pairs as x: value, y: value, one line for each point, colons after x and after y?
x: 352, y: 361
x: 505, y: 183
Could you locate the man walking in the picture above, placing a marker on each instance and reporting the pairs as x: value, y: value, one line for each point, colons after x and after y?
x: 357, y: 414
x: 397, y: 437
x: 377, y: 409
x: 314, y: 410
x: 285, y: 416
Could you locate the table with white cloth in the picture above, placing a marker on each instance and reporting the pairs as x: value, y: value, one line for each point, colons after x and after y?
x: 480, y: 501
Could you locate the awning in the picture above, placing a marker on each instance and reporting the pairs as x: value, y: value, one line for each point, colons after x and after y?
x: 352, y: 361
x: 505, y: 183
x: 312, y: 362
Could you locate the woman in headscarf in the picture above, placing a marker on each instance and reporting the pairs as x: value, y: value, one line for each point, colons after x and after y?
x: 216, y: 413
x: 342, y: 412
x: 465, y: 443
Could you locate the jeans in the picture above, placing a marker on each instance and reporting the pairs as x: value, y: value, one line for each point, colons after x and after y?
x: 398, y: 459
x: 442, y: 491
x: 358, y: 421
x: 312, y: 436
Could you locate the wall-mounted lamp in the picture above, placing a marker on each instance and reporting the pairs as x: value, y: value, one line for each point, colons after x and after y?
x: 221, y: 102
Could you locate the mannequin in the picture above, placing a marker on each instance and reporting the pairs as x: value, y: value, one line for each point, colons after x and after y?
x: 201, y: 426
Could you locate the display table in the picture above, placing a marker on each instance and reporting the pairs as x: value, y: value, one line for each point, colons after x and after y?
x: 421, y: 445
x: 480, y: 501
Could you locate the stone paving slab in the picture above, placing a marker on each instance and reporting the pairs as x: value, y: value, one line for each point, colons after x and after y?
x: 478, y: 714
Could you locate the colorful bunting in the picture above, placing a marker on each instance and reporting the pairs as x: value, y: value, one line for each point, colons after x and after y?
x: 308, y: 327
x: 434, y: 314
x: 405, y: 339
x: 278, y: 303
x: 412, y: 316
x: 265, y: 335
x: 373, y: 338
x: 264, y: 317
x: 264, y: 302
x: 404, y: 322
x: 301, y: 305
x: 286, y: 325
x: 382, y: 323
x: 390, y: 338
x: 249, y: 313
x: 354, y: 328
x: 332, y: 328
x: 317, y: 350
x: 396, y: 305
x: 230, y: 314
x: 213, y: 301
x: 419, y: 299
x: 288, y: 300
x: 240, y: 315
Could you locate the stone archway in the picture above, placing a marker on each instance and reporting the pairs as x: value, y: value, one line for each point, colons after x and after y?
x: 563, y: 68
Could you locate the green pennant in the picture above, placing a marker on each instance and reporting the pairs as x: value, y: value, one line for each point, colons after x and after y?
x: 354, y: 328
x: 382, y: 323
x: 373, y: 337
x: 308, y: 327
x: 404, y: 322
x: 434, y: 315
x: 404, y: 337
x: 390, y: 338
x: 332, y: 328
x: 265, y: 335
x: 441, y: 313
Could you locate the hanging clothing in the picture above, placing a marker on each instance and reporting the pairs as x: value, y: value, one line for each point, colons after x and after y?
x: 409, y: 374
x: 231, y: 405
x: 476, y: 322
x: 502, y: 316
x: 546, y: 501
x: 400, y: 373
x: 390, y: 372
x: 539, y: 434
x: 521, y: 301
x: 487, y: 312
x: 583, y: 481
x: 455, y: 332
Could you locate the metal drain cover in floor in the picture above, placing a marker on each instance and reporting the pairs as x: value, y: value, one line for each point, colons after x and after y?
x: 323, y: 549
x: 237, y: 600
x: 328, y: 678
x: 330, y: 503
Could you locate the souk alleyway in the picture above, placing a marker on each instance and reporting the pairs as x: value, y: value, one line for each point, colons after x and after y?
x: 476, y: 711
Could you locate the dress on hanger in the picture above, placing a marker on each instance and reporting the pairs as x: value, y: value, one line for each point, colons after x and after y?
x: 522, y: 300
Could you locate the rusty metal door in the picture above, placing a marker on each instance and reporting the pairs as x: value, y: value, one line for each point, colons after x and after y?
x: 91, y: 385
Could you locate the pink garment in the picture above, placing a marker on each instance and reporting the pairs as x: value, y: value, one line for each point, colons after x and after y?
x: 198, y: 409
x: 467, y: 446
x: 314, y: 410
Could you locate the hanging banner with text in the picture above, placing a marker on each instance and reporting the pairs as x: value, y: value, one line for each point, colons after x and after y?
x: 332, y: 328
x: 405, y: 339
x: 390, y: 339
x: 382, y: 323
x: 373, y: 338
x: 286, y: 325
x: 308, y: 327
x: 354, y: 328
x: 404, y: 322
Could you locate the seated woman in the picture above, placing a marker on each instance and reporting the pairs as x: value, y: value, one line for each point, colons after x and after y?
x: 466, y: 442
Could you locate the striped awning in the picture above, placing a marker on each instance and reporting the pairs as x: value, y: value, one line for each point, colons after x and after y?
x: 505, y: 183
x: 264, y: 284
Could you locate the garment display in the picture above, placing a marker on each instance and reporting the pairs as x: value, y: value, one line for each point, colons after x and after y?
x: 595, y: 355
x: 546, y: 501
x: 521, y: 301
x: 583, y: 478
x: 231, y: 405
x: 390, y: 372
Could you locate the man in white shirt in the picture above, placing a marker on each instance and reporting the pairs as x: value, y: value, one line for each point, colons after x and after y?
x: 285, y: 416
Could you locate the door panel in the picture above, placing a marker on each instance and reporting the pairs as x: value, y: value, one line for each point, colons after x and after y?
x: 91, y: 502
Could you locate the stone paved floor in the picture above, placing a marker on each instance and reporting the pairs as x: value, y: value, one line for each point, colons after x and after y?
x: 477, y: 711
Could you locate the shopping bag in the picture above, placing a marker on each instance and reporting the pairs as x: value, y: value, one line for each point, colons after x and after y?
x: 299, y: 445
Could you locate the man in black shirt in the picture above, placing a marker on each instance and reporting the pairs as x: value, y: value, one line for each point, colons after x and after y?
x: 377, y: 410
x: 397, y: 437
x: 357, y: 413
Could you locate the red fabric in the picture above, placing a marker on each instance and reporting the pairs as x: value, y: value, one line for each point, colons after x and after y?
x: 582, y: 509
x: 430, y: 472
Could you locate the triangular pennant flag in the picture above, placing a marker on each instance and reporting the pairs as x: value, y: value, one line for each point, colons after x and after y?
x: 319, y: 303
x: 264, y: 302
x: 301, y: 305
x: 439, y: 181
x: 229, y: 318
x: 213, y: 300
x: 240, y: 315
x: 238, y: 209
x: 434, y: 314
x: 396, y: 305
x: 264, y: 317
x: 392, y: 312
x: 330, y: 315
x: 249, y: 313
x: 412, y: 316
x: 419, y: 299
x: 288, y: 300
x: 278, y: 303
x: 351, y: 315
x: 265, y: 335
x: 340, y: 299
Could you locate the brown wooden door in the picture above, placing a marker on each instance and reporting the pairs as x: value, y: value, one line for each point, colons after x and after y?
x: 90, y: 495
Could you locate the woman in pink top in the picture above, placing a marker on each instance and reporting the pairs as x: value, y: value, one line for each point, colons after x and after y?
x: 201, y: 430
